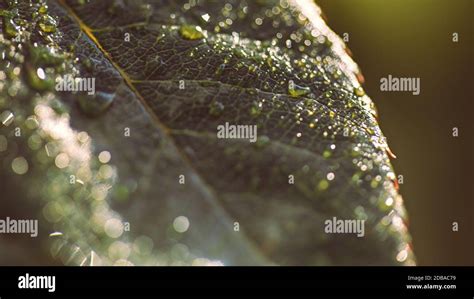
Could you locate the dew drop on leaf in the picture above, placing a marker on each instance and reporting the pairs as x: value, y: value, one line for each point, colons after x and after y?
x: 323, y: 185
x: 359, y: 91
x: 44, y: 56
x: 43, y: 9
x: 48, y: 24
x: 181, y: 224
x: 205, y: 17
x: 7, y: 117
x: 20, y: 165
x: 297, y: 91
x: 327, y: 154
x: 94, y: 105
x: 10, y: 28
x: 37, y: 78
x: 191, y: 32
x: 220, y: 69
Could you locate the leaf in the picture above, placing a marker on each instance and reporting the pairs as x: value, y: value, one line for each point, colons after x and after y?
x: 167, y: 75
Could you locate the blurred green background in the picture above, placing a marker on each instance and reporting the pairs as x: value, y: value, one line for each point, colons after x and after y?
x: 407, y: 38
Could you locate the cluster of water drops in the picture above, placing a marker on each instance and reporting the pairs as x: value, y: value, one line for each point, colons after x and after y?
x: 297, y: 73
x: 327, y: 98
x: 57, y: 163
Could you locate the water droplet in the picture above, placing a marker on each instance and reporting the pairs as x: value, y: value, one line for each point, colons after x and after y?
x: 359, y: 91
x: 330, y: 176
x: 10, y: 28
x: 374, y: 183
x: 191, y: 32
x: 62, y: 160
x: 181, y: 224
x: 97, y: 104
x: 205, y: 17
x: 220, y: 69
x: 296, y: 90
x: 402, y: 256
x: 20, y: 165
x: 114, y: 228
x: 32, y: 122
x: 323, y: 185
x: 391, y: 175
x: 104, y: 157
x: 240, y: 52
x: 44, y: 56
x: 37, y: 78
x: 7, y: 118
x: 40, y: 73
x: 43, y: 9
x: 48, y: 24
x: 35, y: 142
x: 56, y: 234
x: 327, y: 154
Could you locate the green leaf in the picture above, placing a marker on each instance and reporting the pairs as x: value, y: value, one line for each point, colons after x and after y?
x: 136, y: 173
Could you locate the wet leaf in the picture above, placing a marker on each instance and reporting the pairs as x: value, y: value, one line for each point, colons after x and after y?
x: 134, y: 172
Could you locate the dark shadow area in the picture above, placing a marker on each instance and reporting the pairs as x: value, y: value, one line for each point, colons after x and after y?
x: 415, y: 39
